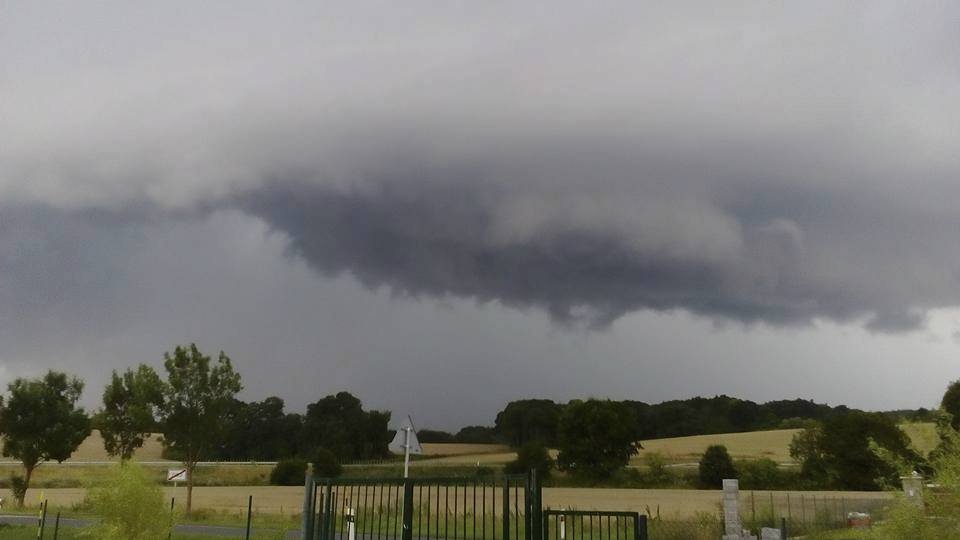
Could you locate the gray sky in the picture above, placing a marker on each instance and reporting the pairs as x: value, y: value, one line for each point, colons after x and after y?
x: 444, y: 206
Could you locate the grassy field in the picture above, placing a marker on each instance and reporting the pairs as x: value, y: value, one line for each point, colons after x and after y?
x: 459, y: 449
x: 670, y: 503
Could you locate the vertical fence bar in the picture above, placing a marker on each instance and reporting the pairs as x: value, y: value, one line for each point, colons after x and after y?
x: 506, y: 508
x: 43, y: 520
x: 56, y: 527
x: 407, y: 533
x: 329, y: 506
x: 640, y: 525
x: 170, y: 532
x: 306, y: 525
x: 249, y: 515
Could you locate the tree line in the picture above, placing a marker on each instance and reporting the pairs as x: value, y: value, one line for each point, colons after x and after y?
x: 195, y: 409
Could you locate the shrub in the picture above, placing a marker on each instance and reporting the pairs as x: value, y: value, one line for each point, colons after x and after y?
x: 325, y: 464
x: 130, y: 507
x: 531, y: 456
x: 483, y: 471
x: 18, y: 486
x: 715, y: 466
x: 657, y: 473
x: 288, y: 472
x: 763, y: 473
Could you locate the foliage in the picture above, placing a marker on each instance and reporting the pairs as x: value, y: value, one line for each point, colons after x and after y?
x: 130, y: 406
x: 259, y: 431
x: 288, y: 472
x: 18, y: 486
x: 435, y: 436
x: 476, y: 435
x: 657, y: 473
x: 529, y: 420
x: 130, y: 507
x: 325, y: 464
x: 720, y: 414
x: 763, y: 473
x: 532, y: 456
x: 715, y: 466
x: 838, y: 454
x: 339, y: 424
x: 197, y: 395
x: 596, y: 437
x: 40, y: 421
x: 951, y: 403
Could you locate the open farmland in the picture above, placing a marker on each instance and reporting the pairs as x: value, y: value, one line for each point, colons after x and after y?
x: 773, y: 444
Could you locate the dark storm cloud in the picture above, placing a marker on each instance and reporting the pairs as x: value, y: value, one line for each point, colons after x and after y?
x: 752, y: 163
x: 593, y: 261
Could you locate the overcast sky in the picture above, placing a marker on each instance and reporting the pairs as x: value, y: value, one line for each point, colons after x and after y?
x: 442, y: 206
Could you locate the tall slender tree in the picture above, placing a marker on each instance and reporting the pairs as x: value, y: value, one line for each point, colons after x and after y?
x: 197, y: 394
x: 131, y: 402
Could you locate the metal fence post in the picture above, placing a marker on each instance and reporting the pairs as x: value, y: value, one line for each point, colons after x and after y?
x: 170, y: 532
x: 249, y: 512
x: 640, y: 527
x: 534, y: 508
x: 43, y: 520
x: 407, y: 531
x: 56, y: 527
x: 306, y: 520
x: 506, y: 508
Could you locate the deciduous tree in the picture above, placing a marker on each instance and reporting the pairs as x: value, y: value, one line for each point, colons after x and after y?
x: 40, y: 421
x: 131, y: 403
x: 197, y: 394
x: 596, y: 437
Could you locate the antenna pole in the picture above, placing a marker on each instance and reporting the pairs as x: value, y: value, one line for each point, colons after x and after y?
x: 406, y: 452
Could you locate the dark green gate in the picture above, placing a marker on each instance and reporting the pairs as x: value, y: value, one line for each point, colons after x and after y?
x: 501, y: 508
x: 497, y: 508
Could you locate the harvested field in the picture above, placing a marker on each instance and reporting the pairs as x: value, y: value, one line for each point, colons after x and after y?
x: 774, y: 445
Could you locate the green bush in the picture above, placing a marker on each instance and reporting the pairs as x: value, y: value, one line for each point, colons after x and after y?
x: 715, y: 466
x: 657, y: 474
x: 532, y: 456
x: 326, y: 464
x: 18, y: 486
x: 288, y: 472
x: 763, y: 473
x: 130, y: 507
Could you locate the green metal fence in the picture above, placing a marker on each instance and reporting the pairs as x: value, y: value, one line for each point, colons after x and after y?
x: 502, y: 508
x: 578, y: 524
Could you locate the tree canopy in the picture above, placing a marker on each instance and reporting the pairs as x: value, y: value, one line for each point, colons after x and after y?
x: 596, y: 437
x: 838, y: 452
x: 338, y: 423
x: 197, y: 395
x: 40, y: 421
x: 529, y: 420
x: 131, y: 403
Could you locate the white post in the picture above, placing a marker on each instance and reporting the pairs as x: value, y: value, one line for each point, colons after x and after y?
x: 406, y: 452
x: 351, y: 524
x: 563, y: 527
